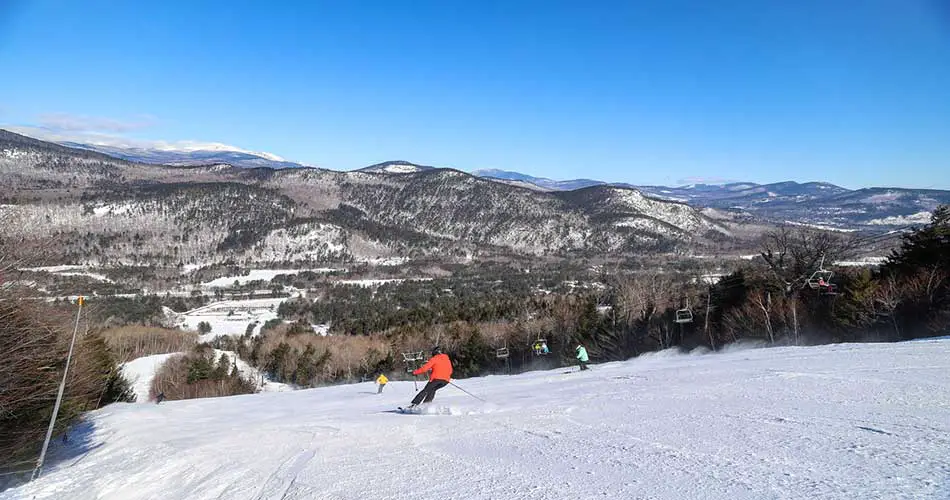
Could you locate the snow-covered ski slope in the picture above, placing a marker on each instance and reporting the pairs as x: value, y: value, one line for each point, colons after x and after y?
x: 851, y: 421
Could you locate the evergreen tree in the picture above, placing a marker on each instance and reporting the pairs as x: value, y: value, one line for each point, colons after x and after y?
x: 474, y: 355
x: 922, y: 268
x: 927, y: 247
x: 222, y: 368
x: 204, y: 327
x: 199, y: 369
x: 854, y: 310
x: 306, y: 367
x: 278, y: 362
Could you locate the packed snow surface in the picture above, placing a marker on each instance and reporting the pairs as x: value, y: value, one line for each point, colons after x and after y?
x: 846, y: 421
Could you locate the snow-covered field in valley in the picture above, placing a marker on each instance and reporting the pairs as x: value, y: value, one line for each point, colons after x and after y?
x: 228, y: 317
x: 265, y: 275
x: 850, y: 421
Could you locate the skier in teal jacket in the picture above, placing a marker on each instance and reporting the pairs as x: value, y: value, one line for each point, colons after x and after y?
x: 582, y: 358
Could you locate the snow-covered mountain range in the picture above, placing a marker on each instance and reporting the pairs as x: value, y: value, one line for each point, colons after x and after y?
x: 105, y: 209
x: 814, y: 203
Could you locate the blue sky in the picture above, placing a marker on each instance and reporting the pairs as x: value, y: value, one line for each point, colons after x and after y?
x: 855, y: 92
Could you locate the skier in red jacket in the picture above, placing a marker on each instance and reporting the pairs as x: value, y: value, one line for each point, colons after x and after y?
x: 441, y: 368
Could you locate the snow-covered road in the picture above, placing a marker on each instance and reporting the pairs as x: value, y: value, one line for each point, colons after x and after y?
x: 846, y: 421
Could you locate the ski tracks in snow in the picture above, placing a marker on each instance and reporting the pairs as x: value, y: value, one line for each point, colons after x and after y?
x: 778, y: 423
x: 283, y: 480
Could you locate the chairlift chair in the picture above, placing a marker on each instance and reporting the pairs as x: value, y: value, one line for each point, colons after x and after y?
x: 502, y: 352
x: 412, y: 359
x: 820, y: 279
x: 540, y: 347
x: 409, y: 357
x: 684, y: 315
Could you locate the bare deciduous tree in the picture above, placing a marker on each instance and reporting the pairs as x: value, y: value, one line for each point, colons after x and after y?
x: 793, y: 254
x: 765, y: 305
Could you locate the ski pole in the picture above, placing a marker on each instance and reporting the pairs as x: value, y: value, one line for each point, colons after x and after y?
x: 466, y: 392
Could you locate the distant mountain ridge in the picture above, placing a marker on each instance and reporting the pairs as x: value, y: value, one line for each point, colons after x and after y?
x: 156, y: 156
x: 540, y: 182
x: 814, y: 203
x: 680, y: 193
x: 819, y: 204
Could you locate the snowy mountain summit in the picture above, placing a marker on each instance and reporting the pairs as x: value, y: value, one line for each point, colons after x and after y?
x: 865, y: 421
x: 395, y: 167
x: 191, y: 154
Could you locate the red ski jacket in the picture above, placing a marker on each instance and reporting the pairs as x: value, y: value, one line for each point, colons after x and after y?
x: 441, y: 368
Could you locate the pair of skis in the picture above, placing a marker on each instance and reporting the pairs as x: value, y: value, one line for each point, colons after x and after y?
x: 425, y: 409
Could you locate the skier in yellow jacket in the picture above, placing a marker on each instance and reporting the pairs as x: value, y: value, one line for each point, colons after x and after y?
x: 381, y: 380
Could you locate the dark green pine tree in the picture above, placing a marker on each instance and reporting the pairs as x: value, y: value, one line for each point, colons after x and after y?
x: 199, y: 369
x: 922, y: 268
x: 222, y: 368
x: 924, y: 248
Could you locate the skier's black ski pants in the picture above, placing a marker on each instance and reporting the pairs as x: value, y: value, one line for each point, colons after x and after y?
x: 428, y: 392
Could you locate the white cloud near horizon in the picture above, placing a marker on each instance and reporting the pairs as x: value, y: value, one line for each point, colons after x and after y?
x: 107, y: 132
x: 66, y: 122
